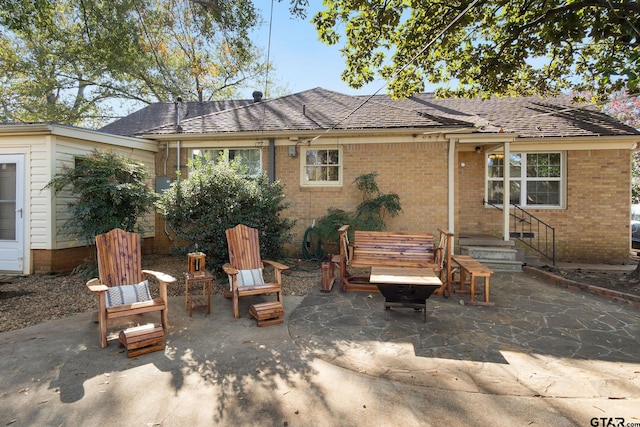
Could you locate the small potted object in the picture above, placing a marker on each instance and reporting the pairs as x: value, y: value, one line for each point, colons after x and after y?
x: 196, y: 263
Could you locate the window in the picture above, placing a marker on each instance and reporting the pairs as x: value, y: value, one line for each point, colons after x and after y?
x: 321, y: 167
x: 249, y: 158
x: 535, y: 179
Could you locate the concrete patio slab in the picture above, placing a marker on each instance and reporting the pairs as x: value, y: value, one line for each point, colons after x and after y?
x: 542, y: 356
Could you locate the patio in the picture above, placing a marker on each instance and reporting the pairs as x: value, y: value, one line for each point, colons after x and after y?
x: 542, y: 356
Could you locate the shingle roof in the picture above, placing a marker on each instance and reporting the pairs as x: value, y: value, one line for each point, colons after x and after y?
x: 161, y: 113
x: 316, y: 109
x: 320, y: 109
x: 529, y: 117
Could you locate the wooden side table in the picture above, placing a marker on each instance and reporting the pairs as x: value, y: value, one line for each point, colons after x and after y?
x: 194, y: 297
x: 474, y: 269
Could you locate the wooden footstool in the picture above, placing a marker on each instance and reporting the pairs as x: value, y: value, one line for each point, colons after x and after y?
x: 142, y: 339
x: 267, y: 313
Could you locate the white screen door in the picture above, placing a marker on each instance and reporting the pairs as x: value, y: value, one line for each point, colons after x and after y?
x: 11, y: 212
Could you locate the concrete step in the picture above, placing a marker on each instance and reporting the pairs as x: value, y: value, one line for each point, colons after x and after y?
x: 502, y: 265
x: 532, y: 260
x: 483, y: 240
x: 489, y: 252
x: 496, y: 258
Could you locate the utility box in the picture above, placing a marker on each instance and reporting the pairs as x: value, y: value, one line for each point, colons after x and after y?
x: 162, y: 183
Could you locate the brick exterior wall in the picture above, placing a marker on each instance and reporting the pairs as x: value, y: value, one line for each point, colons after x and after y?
x: 594, y: 227
x: 59, y: 261
x: 415, y: 171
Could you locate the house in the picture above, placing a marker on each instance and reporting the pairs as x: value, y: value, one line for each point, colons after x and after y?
x: 570, y: 164
x: 30, y: 155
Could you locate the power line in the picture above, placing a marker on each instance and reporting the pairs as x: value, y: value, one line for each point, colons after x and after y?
x: 399, y: 70
x: 266, y: 78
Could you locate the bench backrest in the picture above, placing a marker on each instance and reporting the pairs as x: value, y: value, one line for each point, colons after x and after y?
x: 393, y: 248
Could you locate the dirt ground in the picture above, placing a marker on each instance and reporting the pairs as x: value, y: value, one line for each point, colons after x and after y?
x: 617, y: 280
x: 29, y: 300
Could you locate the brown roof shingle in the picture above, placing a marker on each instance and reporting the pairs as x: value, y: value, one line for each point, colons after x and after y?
x: 320, y: 110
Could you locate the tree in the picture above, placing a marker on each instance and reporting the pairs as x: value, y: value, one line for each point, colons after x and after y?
x: 627, y: 109
x: 624, y: 108
x: 109, y: 191
x: 492, y: 47
x: 68, y: 60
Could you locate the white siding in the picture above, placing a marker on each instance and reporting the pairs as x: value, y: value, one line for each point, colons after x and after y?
x: 39, y: 198
x: 66, y: 150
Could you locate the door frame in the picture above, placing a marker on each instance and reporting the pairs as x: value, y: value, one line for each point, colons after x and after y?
x: 19, y: 159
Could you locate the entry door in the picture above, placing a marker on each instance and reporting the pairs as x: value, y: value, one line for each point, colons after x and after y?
x: 11, y: 212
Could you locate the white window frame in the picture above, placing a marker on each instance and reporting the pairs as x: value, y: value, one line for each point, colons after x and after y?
x: 198, y: 152
x: 305, y: 182
x: 524, y: 180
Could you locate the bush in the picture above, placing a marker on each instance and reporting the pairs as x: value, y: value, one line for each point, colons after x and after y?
x: 110, y: 191
x: 369, y: 215
x: 216, y: 197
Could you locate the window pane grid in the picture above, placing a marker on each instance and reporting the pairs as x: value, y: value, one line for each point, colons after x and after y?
x: 322, y: 166
x: 248, y: 158
x: 535, y: 179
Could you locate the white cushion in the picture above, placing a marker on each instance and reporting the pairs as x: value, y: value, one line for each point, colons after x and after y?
x: 128, y: 294
x: 248, y: 278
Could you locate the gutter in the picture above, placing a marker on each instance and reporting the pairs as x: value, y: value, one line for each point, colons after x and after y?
x: 300, y: 133
x: 79, y: 133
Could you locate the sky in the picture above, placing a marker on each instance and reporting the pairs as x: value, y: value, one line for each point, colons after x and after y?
x: 300, y: 59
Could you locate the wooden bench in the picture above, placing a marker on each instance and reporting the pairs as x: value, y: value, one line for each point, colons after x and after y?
x: 472, y: 268
x: 385, y: 249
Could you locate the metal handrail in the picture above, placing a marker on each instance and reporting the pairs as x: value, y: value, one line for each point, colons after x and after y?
x: 530, y: 230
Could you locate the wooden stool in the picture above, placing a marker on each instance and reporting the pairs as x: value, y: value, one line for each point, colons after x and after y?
x: 267, y: 313
x: 142, y: 339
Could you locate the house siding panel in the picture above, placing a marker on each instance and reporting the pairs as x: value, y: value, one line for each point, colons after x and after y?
x: 66, y: 150
x: 39, y: 199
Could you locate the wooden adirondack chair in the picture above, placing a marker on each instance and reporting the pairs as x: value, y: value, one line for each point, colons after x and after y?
x: 244, y: 265
x: 120, y: 273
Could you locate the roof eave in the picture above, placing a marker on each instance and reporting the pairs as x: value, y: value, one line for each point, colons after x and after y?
x: 77, y: 133
x: 303, y: 133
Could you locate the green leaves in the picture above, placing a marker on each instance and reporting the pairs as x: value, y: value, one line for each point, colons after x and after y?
x: 496, y: 48
x: 66, y: 61
x: 217, y: 197
x: 108, y: 191
x: 370, y: 213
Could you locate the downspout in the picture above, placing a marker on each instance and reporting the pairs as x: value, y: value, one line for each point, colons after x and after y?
x: 178, y: 155
x: 272, y: 160
x: 166, y: 160
x: 451, y: 186
x: 506, y: 185
x: 178, y: 129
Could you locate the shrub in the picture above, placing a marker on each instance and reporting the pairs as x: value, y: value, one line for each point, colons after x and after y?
x: 110, y: 191
x: 369, y: 215
x: 217, y: 196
